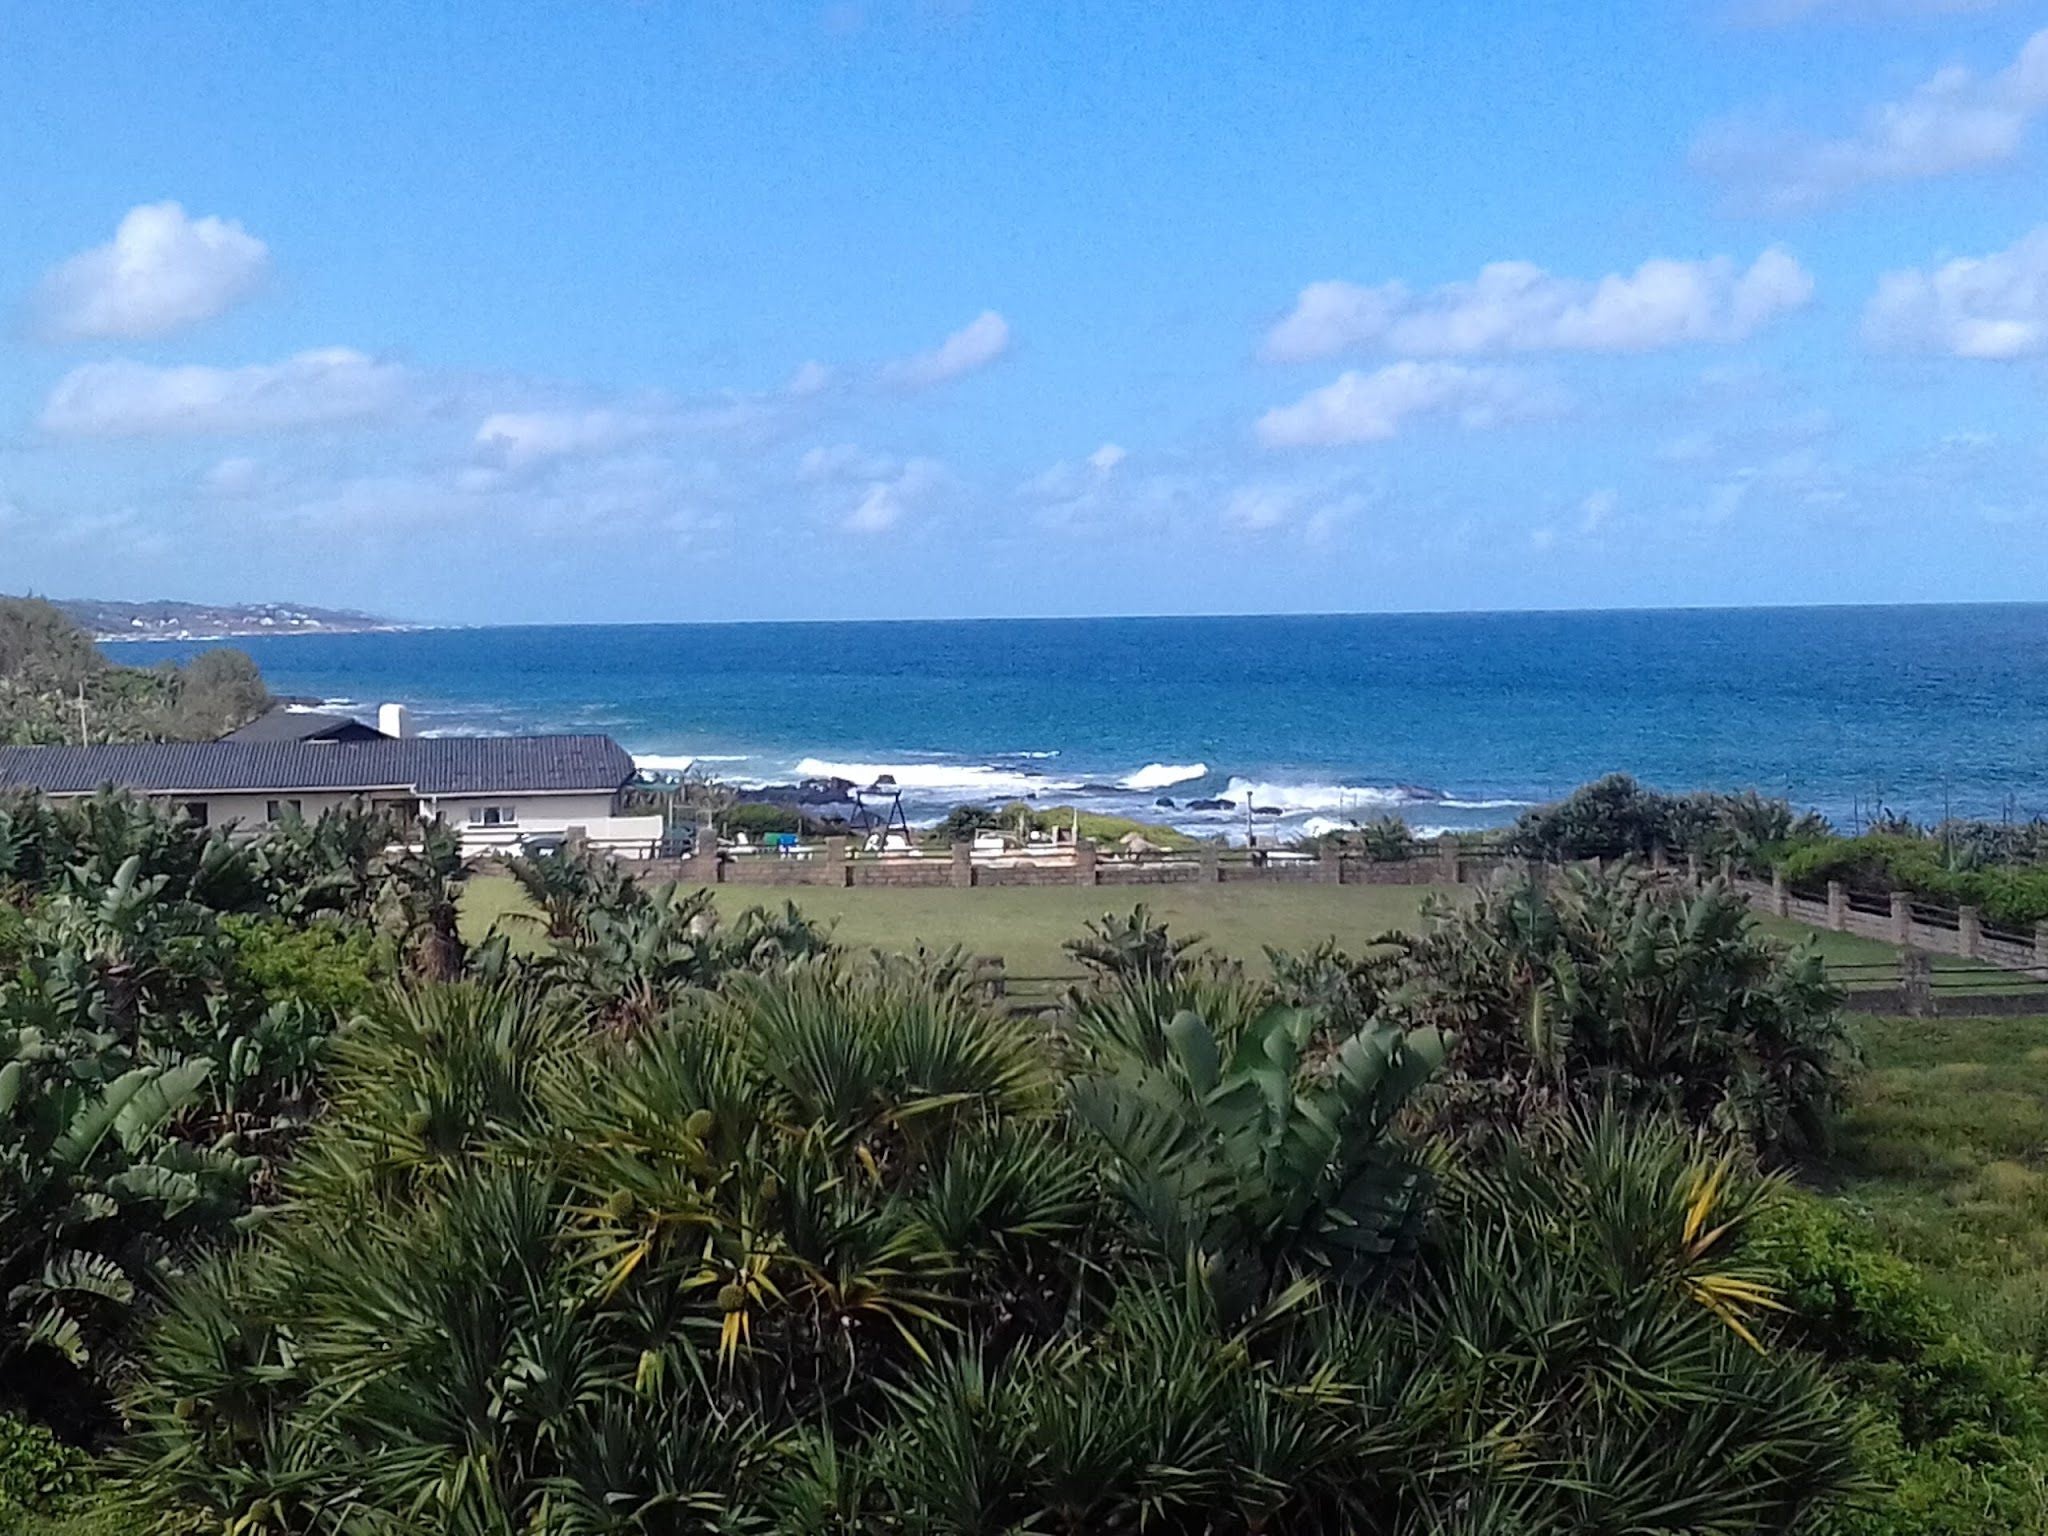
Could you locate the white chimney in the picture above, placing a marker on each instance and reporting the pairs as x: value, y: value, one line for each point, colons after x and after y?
x: 393, y: 721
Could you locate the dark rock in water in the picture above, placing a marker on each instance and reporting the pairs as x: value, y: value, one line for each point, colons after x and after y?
x: 1420, y: 792
x: 1165, y: 804
x: 1267, y: 810
x: 809, y: 794
x: 1212, y: 805
x: 1099, y: 789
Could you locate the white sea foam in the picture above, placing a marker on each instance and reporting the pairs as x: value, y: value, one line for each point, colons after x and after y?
x: 1298, y: 799
x: 1483, y: 805
x: 1164, y: 775
x: 964, y: 781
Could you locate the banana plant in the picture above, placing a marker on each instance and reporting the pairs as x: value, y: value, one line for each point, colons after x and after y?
x: 1283, y: 1155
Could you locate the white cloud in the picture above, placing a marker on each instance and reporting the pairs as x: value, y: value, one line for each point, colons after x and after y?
x: 1371, y: 407
x: 974, y: 346
x: 1105, y: 459
x: 810, y: 378
x: 162, y: 272
x: 886, y: 502
x: 518, y: 439
x: 1954, y: 121
x: 837, y: 463
x: 1256, y: 508
x: 1992, y: 306
x: 1596, y: 509
x: 121, y: 398
x: 1516, y: 306
x: 235, y: 478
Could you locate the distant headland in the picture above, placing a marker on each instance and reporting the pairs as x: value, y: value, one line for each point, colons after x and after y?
x: 166, y: 620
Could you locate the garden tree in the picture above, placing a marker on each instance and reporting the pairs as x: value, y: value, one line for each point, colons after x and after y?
x: 1617, y: 987
x: 419, y: 895
x: 1616, y: 817
x: 42, y: 649
x: 54, y: 681
x: 217, y: 691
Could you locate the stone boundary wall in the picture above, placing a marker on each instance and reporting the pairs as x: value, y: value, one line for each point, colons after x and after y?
x: 1903, y: 923
x: 836, y: 866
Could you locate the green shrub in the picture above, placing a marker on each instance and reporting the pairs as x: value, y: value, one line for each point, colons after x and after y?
x: 827, y: 1252
x: 1616, y: 987
x: 2015, y: 894
x: 1954, y: 1435
x: 329, y: 968
x: 38, y: 1472
x: 757, y: 820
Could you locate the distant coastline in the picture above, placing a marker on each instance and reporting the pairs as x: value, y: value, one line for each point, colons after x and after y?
x: 110, y: 622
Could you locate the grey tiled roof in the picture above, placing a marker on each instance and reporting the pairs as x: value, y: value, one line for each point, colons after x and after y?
x: 285, y: 724
x: 424, y: 765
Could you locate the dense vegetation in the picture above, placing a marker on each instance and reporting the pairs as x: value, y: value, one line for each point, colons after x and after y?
x: 1999, y: 867
x: 317, y: 1218
x: 55, y: 684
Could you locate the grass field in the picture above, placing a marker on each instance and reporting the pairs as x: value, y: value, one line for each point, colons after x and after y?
x: 1946, y: 1146
x: 1027, y: 926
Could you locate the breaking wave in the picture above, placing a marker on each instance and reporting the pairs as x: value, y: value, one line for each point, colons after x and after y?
x: 1164, y: 775
x: 966, y: 781
x: 1304, y: 799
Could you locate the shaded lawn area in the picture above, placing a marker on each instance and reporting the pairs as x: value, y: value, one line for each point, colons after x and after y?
x: 1027, y: 926
x: 1945, y: 1145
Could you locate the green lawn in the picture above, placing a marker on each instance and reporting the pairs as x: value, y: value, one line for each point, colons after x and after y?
x: 1027, y: 925
x: 1946, y: 1146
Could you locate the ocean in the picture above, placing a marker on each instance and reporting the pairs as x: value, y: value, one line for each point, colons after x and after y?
x: 1448, y: 720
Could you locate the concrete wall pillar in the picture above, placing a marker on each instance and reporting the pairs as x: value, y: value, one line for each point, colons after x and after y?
x: 1212, y: 863
x: 1969, y: 932
x: 1329, y: 868
x: 1902, y: 919
x: 1781, y: 894
x: 836, y: 874
x: 1449, y: 864
x: 1838, y: 906
x: 1916, y: 984
x: 703, y: 864
x: 1084, y: 861
x: 963, y: 865
x: 2041, y: 946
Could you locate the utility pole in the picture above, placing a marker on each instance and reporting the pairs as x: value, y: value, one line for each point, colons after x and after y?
x: 81, y: 716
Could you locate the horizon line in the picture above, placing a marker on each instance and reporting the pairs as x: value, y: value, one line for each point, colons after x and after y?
x: 403, y: 626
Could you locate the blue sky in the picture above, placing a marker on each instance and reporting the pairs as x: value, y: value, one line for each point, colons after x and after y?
x: 598, y: 310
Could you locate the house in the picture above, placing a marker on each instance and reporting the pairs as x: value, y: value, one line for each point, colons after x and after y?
x: 284, y: 723
x: 495, y: 790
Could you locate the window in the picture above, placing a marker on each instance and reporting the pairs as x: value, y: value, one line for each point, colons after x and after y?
x: 195, y: 812
x: 493, y: 816
x: 280, y: 810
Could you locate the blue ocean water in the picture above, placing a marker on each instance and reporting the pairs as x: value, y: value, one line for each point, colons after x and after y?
x: 1452, y: 720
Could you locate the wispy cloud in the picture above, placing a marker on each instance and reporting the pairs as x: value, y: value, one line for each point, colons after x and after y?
x: 1955, y: 121
x: 1359, y: 407
x: 968, y: 350
x: 121, y: 398
x: 1516, y: 306
x: 162, y: 272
